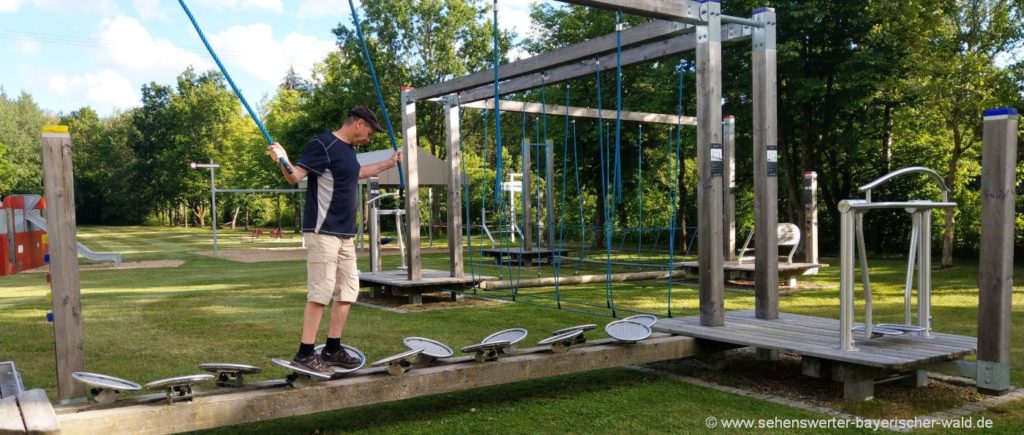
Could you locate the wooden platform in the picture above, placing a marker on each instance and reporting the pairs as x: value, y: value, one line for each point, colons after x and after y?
x: 396, y: 282
x: 816, y: 340
x: 521, y: 256
x: 787, y: 271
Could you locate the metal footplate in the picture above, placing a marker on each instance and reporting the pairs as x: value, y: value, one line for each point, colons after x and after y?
x: 230, y: 375
x: 432, y: 350
x: 487, y: 351
x: 105, y: 389
x: 643, y: 319
x: 513, y: 336
x: 879, y: 331
x: 179, y: 388
x: 351, y: 351
x: 560, y: 343
x: 399, y: 363
x: 582, y: 328
x: 627, y: 331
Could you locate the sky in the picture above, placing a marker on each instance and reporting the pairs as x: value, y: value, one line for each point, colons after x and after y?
x: 73, y: 53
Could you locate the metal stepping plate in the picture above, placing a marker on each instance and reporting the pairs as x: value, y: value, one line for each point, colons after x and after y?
x: 901, y: 327
x: 431, y: 348
x: 582, y: 328
x: 352, y: 351
x: 879, y: 330
x: 398, y: 363
x: 627, y: 331
x: 486, y: 351
x: 178, y: 388
x: 512, y: 336
x: 228, y: 374
x: 297, y: 369
x: 643, y: 319
x: 560, y: 343
x: 106, y: 389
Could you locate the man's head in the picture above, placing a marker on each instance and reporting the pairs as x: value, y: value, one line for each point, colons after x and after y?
x: 360, y: 124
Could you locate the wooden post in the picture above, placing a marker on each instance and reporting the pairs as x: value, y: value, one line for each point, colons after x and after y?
x: 811, y: 217
x: 412, y: 182
x: 59, y: 185
x: 451, y: 127
x: 549, y: 183
x: 729, y: 186
x: 995, y: 269
x: 526, y: 198
x: 766, y: 254
x: 709, y: 166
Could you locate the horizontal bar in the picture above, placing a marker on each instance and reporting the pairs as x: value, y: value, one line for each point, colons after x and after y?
x: 859, y: 204
x: 259, y: 190
x: 728, y: 19
x: 645, y: 32
x: 686, y: 11
x: 273, y: 400
x: 910, y: 170
x: 582, y: 112
x: 645, y: 53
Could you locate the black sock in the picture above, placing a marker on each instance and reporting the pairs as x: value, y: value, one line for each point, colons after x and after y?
x: 305, y: 349
x: 333, y: 345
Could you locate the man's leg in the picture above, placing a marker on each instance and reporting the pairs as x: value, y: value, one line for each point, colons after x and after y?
x: 339, y: 315
x: 346, y: 291
x: 311, y: 321
x: 320, y: 272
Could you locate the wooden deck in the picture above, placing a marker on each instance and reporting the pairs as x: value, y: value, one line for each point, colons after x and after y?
x: 787, y: 271
x: 819, y: 337
x: 521, y: 256
x: 396, y: 282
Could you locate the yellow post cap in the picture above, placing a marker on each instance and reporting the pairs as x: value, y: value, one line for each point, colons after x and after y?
x: 55, y: 129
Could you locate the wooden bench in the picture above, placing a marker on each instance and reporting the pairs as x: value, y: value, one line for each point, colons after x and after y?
x: 788, y: 236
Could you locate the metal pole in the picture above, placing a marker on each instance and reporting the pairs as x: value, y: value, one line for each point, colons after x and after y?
x: 213, y: 206
x: 846, y: 243
x: 374, y: 224
x: 865, y: 280
x: 911, y: 257
x: 924, y: 270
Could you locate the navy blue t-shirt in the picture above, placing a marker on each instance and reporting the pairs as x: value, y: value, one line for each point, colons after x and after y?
x: 332, y: 192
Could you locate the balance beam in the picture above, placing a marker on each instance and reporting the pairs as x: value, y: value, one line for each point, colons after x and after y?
x: 272, y: 399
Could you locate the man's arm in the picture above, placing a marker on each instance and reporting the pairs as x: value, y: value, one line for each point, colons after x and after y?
x: 298, y: 173
x: 376, y: 168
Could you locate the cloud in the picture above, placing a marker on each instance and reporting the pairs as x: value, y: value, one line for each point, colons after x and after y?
x: 74, y: 7
x: 28, y: 47
x: 324, y: 8
x: 106, y: 87
x: 130, y: 47
x: 271, y: 5
x: 8, y: 5
x: 253, y: 49
x: 149, y: 9
x: 515, y: 16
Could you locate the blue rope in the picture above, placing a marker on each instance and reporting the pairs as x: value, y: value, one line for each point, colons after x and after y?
x: 223, y: 70
x: 618, y: 108
x: 376, y: 86
x: 497, y: 110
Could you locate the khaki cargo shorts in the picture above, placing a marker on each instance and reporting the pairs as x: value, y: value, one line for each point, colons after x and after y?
x: 331, y: 268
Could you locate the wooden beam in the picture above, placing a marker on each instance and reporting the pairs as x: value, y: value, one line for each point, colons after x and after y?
x: 59, y: 186
x: 452, y: 130
x: 766, y: 196
x: 711, y: 275
x: 729, y: 187
x: 581, y: 112
x: 234, y: 408
x: 645, y: 32
x: 995, y: 270
x: 412, y: 183
x: 581, y: 279
x: 811, y: 217
x: 527, y: 198
x: 549, y: 194
x: 687, y: 11
x: 645, y: 53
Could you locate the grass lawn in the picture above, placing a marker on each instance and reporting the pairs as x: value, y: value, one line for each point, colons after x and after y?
x: 145, y: 324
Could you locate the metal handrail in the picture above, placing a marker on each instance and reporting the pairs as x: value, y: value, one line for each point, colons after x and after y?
x: 911, y: 170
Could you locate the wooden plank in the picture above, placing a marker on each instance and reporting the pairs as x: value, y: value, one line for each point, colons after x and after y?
x: 766, y: 197
x: 412, y: 183
x: 527, y: 198
x: 995, y: 266
x: 646, y: 53
x: 58, y: 182
x: 428, y: 277
x: 248, y: 406
x: 452, y: 133
x: 549, y: 195
x: 711, y: 276
x: 37, y: 412
x: 650, y: 31
x: 10, y: 417
x: 679, y: 10
x: 582, y: 112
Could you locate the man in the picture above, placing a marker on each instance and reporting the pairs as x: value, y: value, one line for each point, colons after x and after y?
x: 328, y: 226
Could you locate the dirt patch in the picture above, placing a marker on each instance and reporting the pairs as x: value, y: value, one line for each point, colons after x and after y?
x: 740, y: 368
x: 431, y: 301
x: 155, y: 264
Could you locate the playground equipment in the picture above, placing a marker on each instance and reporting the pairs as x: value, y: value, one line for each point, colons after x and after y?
x: 23, y: 240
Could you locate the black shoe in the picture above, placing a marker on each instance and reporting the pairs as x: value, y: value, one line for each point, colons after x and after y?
x: 340, y: 359
x: 314, y: 363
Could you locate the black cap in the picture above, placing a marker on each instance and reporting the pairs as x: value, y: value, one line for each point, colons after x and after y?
x: 366, y: 115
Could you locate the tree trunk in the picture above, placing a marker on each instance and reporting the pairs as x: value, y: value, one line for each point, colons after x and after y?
x: 886, y: 162
x: 948, y: 235
x: 234, y: 217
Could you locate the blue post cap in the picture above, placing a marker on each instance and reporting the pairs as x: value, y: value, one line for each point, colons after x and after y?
x: 49, y: 317
x: 1001, y: 111
x: 761, y: 10
x: 46, y: 258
